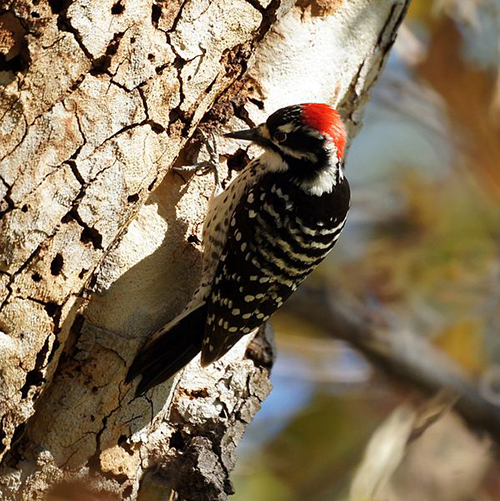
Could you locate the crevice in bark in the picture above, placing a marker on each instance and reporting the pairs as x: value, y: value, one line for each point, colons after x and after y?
x: 391, y: 27
x: 101, y: 64
x: 57, y: 6
x: 52, y: 309
x: 74, y: 169
x: 25, y: 133
x: 176, y: 115
x: 177, y: 17
x: 18, y: 434
x: 64, y: 24
x: 268, y: 19
x: 89, y: 234
x: 35, y: 377
x: 257, y: 6
x: 14, y: 275
x: 7, y: 199
x: 351, y: 100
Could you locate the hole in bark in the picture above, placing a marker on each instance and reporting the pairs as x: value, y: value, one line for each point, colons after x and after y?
x: 101, y: 65
x: 17, y: 64
x: 201, y: 393
x: 92, y: 418
x: 174, y: 115
x: 24, y: 208
x: 57, y: 264
x: 91, y: 235
x: 127, y: 491
x: 155, y: 14
x: 178, y: 62
x: 151, y: 57
x: 33, y: 378
x: 57, y: 6
x: 156, y: 127
x: 133, y: 198
x: 52, y: 309
x: 177, y: 440
x: 193, y: 239
x: 35, y: 2
x: 95, y: 389
x: 36, y: 15
x: 82, y: 273
x: 132, y: 39
x: 36, y: 277
x: 117, y: 8
x: 122, y: 442
x: 238, y: 160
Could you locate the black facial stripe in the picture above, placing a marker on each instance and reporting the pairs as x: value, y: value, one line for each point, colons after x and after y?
x: 292, y: 114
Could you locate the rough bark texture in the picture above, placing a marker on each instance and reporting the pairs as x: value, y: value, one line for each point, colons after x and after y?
x: 99, y: 246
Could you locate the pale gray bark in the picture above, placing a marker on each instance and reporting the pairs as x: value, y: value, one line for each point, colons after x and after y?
x: 97, y: 101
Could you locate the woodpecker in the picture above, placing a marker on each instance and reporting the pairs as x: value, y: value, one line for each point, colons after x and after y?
x: 263, y: 235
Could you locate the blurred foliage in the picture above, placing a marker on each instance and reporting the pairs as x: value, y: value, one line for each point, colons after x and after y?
x: 322, y: 443
x: 421, y: 247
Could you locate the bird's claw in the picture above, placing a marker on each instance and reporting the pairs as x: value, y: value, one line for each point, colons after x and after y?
x: 207, y: 166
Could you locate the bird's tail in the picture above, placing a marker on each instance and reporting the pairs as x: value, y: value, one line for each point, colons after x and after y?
x: 170, y: 351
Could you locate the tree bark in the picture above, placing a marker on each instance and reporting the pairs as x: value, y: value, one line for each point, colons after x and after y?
x: 99, y: 245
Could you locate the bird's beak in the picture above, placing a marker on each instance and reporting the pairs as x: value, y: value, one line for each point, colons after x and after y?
x: 253, y: 135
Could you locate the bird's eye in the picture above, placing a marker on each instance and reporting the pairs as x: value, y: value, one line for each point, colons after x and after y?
x: 280, y: 136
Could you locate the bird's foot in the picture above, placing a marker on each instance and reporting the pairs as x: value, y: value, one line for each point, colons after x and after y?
x: 207, y: 166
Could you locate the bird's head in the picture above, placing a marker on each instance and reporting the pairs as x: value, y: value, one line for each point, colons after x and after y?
x: 311, y: 133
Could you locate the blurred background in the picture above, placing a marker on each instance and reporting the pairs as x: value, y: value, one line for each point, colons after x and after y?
x: 413, y: 281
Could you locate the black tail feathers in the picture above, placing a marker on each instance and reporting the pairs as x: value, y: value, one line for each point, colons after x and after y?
x: 170, y: 352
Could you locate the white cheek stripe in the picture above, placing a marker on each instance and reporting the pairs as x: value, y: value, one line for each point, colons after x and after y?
x: 289, y: 127
x: 324, y: 182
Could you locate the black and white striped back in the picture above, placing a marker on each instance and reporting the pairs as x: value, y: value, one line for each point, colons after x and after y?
x: 278, y: 234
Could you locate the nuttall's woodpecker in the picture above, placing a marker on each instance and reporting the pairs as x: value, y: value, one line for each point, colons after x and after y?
x: 262, y: 237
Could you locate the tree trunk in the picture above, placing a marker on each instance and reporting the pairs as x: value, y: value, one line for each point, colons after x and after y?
x: 99, y: 245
